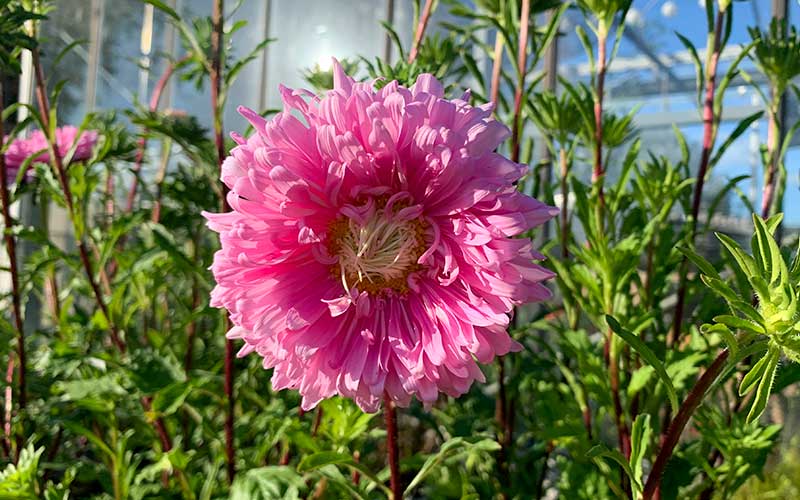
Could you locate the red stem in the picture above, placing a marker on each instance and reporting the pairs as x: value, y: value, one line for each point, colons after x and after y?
x: 11, y: 250
x: 769, y: 178
x: 709, y: 124
x: 419, y: 33
x: 9, y: 395
x: 83, y: 251
x: 522, y: 62
x: 497, y: 66
x: 155, y: 99
x: 598, y: 171
x: 216, y: 86
x: 392, y: 450
x: 677, y: 425
x: 562, y: 159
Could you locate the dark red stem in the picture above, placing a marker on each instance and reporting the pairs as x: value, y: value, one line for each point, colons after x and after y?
x: 677, y: 425
x: 522, y: 62
x: 155, y: 99
x: 709, y: 125
x: 392, y: 450
x: 598, y: 170
x: 11, y: 250
x: 419, y: 33
x: 216, y: 87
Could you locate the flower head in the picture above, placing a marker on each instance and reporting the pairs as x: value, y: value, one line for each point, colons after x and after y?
x: 370, y: 249
x: 36, y: 144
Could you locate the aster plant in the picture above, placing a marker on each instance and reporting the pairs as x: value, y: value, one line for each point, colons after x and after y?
x: 377, y: 245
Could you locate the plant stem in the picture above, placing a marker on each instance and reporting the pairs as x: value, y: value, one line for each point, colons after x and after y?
x: 598, y: 171
x: 11, y: 250
x: 677, y: 425
x: 392, y: 450
x: 155, y: 99
x: 83, y: 251
x: 503, y: 431
x: 710, y: 121
x: 419, y: 33
x: 562, y: 160
x: 522, y: 63
x: 497, y: 66
x: 8, y: 405
x: 216, y: 106
x: 773, y: 136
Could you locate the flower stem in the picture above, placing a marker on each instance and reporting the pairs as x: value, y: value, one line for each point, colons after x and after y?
x: 563, y: 163
x: 710, y: 120
x: 11, y: 250
x: 392, y: 450
x: 497, y: 66
x: 598, y: 170
x: 216, y: 105
x: 419, y: 33
x: 773, y: 136
x: 677, y: 425
x: 522, y: 63
x: 155, y: 99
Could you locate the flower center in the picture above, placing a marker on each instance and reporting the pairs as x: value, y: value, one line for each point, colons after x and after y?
x: 377, y: 253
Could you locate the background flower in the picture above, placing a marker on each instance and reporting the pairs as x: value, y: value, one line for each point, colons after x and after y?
x: 22, y: 148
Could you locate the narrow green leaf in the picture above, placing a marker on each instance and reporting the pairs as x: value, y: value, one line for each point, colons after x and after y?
x: 754, y: 375
x: 324, y: 458
x: 738, y: 323
x: 744, y: 261
x: 641, y: 433
x: 698, y: 260
x: 158, y: 4
x: 648, y: 355
x: 725, y: 333
x: 765, y: 386
x: 601, y: 451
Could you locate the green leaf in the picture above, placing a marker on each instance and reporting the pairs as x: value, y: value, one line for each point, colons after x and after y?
x: 324, y: 458
x: 649, y: 356
x: 268, y: 483
x: 600, y: 450
x: 454, y: 447
x: 168, y: 400
x: 702, y: 264
x: 744, y: 261
x: 765, y: 386
x: 738, y: 323
x: 754, y: 375
x: 726, y: 335
x: 158, y: 4
x: 641, y: 433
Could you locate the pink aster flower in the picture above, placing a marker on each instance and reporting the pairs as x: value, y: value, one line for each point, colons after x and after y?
x: 370, y: 247
x: 22, y: 148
